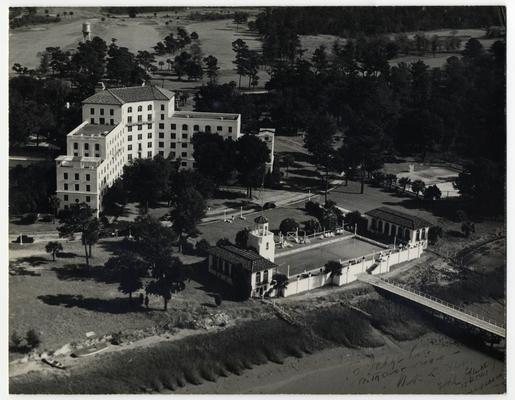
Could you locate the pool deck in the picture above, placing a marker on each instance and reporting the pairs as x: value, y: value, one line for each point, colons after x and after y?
x: 319, y: 256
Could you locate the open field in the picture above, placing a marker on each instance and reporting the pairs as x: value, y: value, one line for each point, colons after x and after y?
x: 319, y: 256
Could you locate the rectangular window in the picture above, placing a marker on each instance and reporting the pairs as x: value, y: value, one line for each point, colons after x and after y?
x: 149, y: 126
x: 88, y: 188
x: 173, y: 136
x: 97, y: 146
x: 97, y: 154
x: 129, y: 119
x: 230, y: 129
x: 129, y: 138
x: 65, y: 197
x: 66, y: 175
x: 88, y: 199
x: 77, y: 186
x: 86, y: 154
x: 92, y: 121
x: 140, y: 136
x: 65, y: 186
x: 129, y: 129
x: 162, y: 116
x: 111, y: 112
x: 161, y: 126
x: 185, y: 136
x: 184, y: 154
x: 184, y: 164
x: 86, y: 146
x: 88, y: 177
x: 92, y: 111
x: 162, y: 107
x: 184, y: 145
x: 161, y: 144
x: 149, y: 107
x: 149, y: 145
x: 195, y: 128
x: 172, y: 145
x: 102, y: 121
x: 129, y: 147
x: 173, y: 154
x: 149, y: 154
x: 161, y: 135
x: 173, y: 127
x: 101, y: 111
x: 265, y: 273
x: 149, y: 117
x: 76, y: 146
x: 111, y: 121
x: 76, y: 177
x: 149, y: 135
x: 140, y: 118
x: 162, y: 153
x: 140, y: 127
x: 218, y: 128
x: 258, y: 278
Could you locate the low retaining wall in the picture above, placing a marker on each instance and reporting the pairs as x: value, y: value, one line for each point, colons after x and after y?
x: 383, y: 261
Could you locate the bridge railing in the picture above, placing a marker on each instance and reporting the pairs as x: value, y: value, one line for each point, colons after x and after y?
x: 440, y: 301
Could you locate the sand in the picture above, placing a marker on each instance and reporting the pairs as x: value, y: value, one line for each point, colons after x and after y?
x: 431, y: 364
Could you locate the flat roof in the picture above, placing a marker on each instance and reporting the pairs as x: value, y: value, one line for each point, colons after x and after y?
x: 205, y: 115
x: 94, y: 130
x: 310, y: 259
x: 398, y: 217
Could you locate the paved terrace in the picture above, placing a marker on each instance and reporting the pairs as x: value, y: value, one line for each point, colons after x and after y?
x: 312, y: 258
x: 436, y: 304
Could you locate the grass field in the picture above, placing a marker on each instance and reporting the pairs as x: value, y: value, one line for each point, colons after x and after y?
x: 318, y: 257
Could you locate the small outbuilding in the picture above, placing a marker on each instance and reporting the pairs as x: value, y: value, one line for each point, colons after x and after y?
x: 241, y: 267
x: 397, y: 224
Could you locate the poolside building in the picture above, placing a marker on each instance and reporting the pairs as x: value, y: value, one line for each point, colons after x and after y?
x: 397, y: 224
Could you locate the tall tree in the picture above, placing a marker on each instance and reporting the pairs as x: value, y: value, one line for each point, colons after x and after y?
x: 250, y: 158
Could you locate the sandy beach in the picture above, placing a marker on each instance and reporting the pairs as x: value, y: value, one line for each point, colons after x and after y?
x: 431, y: 364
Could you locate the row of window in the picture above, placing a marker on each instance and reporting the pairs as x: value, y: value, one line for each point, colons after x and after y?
x: 77, y: 176
x: 149, y: 108
x: 140, y: 118
x: 196, y: 128
x: 92, y: 111
x: 162, y: 154
x: 86, y: 146
x: 88, y: 199
x: 265, y: 277
x: 161, y: 136
x: 102, y: 121
x: 77, y: 187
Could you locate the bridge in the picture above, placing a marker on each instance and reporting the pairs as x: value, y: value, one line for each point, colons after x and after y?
x: 435, y: 304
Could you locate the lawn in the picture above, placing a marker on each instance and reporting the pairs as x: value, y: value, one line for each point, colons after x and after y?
x: 63, y: 302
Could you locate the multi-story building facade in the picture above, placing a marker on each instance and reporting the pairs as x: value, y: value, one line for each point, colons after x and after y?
x: 122, y: 124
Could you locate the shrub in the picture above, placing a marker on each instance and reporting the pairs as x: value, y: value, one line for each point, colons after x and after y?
x: 288, y: 225
x: 218, y: 299
x: 29, y: 218
x: 313, y: 208
x: 116, y: 338
x: 311, y: 226
x: 33, y: 339
x: 435, y: 232
x: 202, y: 247
x: 16, y: 340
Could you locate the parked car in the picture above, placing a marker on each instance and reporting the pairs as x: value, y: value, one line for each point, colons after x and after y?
x: 269, y: 204
x: 24, y: 239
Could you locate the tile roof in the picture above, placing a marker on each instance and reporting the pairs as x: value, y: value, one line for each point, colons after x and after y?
x: 94, y: 130
x: 248, y: 259
x: 119, y: 96
x: 398, y: 217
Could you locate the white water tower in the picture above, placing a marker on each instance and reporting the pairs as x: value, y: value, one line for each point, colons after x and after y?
x: 86, y: 31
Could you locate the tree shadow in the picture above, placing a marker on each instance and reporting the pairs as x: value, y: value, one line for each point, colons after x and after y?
x: 65, y: 254
x: 110, y: 306
x: 210, y: 284
x: 81, y: 272
x: 454, y: 233
x: 34, y: 261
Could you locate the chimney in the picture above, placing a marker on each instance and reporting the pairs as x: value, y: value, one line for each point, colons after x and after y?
x: 99, y: 87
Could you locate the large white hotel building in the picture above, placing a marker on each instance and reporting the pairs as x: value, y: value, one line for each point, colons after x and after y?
x: 122, y: 124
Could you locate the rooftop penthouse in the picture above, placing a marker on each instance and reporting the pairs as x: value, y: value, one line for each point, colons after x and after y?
x: 206, y: 115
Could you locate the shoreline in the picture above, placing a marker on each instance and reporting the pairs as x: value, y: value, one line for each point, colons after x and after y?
x: 431, y: 364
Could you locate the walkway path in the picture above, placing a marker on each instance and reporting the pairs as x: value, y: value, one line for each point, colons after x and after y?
x: 435, y: 304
